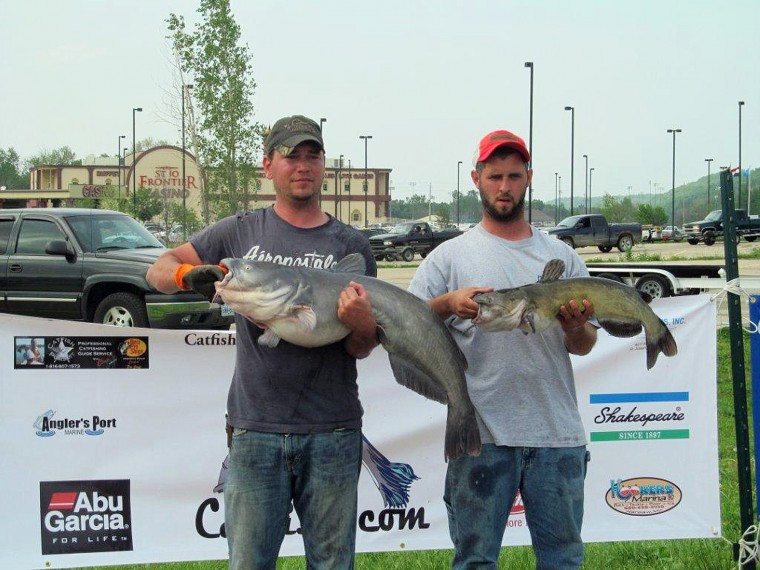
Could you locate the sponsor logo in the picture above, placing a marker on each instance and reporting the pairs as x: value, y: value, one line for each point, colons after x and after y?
x: 47, y: 426
x: 636, y: 412
x: 213, y: 339
x: 60, y: 349
x: 642, y: 496
x: 133, y: 347
x: 85, y: 516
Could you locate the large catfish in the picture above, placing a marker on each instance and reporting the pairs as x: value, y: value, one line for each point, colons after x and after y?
x: 299, y: 305
x: 620, y: 309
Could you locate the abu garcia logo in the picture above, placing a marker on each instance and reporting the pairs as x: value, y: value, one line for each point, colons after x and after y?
x: 46, y: 426
x: 392, y: 480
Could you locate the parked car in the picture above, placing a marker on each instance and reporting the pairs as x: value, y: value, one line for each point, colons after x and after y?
x: 668, y: 234
x: 89, y: 265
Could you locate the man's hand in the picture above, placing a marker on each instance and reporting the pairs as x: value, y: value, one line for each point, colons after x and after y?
x: 355, y: 311
x: 199, y: 278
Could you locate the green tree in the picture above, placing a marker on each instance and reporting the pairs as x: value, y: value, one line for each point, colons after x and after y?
x: 227, y: 138
x: 11, y: 174
x: 60, y: 157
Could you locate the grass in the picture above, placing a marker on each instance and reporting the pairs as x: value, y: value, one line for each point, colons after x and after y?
x: 692, y: 554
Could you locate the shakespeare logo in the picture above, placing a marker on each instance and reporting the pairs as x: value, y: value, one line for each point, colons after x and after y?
x: 85, y: 516
x: 392, y: 480
x: 643, y: 496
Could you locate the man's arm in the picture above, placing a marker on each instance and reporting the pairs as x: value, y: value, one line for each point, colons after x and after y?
x: 161, y: 275
x: 458, y: 302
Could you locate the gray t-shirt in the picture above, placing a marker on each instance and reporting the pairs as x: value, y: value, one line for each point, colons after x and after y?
x: 521, y: 385
x: 287, y: 389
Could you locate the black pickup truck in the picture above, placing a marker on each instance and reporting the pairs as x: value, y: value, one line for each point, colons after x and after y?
x: 711, y: 228
x: 593, y: 229
x: 407, y: 239
x: 90, y: 265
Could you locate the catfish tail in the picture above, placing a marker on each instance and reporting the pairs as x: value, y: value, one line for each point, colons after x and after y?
x: 462, y: 433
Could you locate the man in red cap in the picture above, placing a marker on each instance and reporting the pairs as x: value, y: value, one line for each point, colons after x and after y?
x: 521, y: 385
x: 294, y: 414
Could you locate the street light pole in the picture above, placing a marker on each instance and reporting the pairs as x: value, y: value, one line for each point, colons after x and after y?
x: 528, y: 64
x: 585, y: 185
x: 458, y: 165
x: 366, y: 180
x: 708, y: 161
x: 673, y: 183
x: 590, y: 175
x: 741, y: 104
x: 340, y: 189
x: 322, y: 120
x: 118, y: 160
x: 572, y: 152
x: 134, y: 170
x: 556, y: 199
x: 124, y: 162
x: 185, y: 93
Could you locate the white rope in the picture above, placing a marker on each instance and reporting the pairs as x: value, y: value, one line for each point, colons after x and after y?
x: 748, y: 546
x: 734, y: 287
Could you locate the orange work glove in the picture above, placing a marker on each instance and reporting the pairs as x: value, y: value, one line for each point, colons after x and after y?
x: 199, y: 278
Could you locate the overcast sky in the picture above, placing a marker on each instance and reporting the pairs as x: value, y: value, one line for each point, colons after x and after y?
x: 425, y: 79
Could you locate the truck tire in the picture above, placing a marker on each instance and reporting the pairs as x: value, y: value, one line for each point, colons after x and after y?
x: 391, y: 257
x: 655, y: 285
x: 610, y: 276
x: 605, y: 248
x: 568, y: 241
x: 709, y: 238
x: 423, y: 254
x: 693, y: 241
x: 750, y: 238
x: 407, y: 254
x: 378, y: 258
x: 625, y: 243
x: 122, y: 310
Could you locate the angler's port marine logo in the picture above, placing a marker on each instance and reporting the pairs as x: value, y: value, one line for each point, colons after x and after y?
x: 46, y: 425
x: 643, y: 496
x: 393, y: 481
x: 85, y: 516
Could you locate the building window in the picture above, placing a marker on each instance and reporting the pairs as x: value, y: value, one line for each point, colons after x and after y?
x: 324, y: 187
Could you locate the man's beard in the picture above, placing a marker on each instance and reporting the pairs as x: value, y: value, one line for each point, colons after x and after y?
x: 517, y: 210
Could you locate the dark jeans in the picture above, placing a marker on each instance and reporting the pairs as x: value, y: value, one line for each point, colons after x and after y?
x: 479, y: 493
x: 318, y: 473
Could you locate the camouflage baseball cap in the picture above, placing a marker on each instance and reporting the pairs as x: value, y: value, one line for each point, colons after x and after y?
x: 289, y: 132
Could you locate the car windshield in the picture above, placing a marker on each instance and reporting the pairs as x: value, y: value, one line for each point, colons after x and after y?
x: 569, y: 222
x: 403, y: 229
x: 713, y: 216
x: 101, y: 232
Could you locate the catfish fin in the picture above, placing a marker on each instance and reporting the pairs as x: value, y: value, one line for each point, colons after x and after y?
x: 621, y: 328
x: 665, y: 343
x: 306, y: 317
x: 269, y: 338
x: 352, y: 263
x: 413, y: 378
x: 552, y: 271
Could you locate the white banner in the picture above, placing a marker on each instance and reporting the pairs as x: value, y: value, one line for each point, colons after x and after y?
x: 113, y: 442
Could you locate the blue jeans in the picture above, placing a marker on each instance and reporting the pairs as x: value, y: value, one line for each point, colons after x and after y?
x: 318, y: 473
x: 479, y: 493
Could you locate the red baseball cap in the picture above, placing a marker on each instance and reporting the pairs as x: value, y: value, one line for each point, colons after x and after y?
x: 496, y: 139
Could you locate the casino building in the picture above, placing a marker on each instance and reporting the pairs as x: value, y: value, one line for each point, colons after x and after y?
x: 160, y: 169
